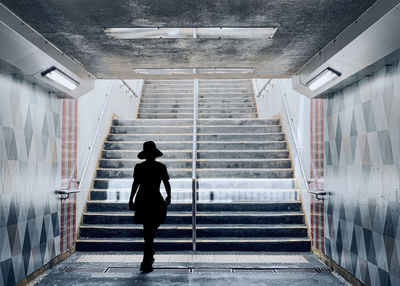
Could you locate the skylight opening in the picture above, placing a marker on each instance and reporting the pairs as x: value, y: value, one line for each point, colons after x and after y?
x: 190, y: 33
x: 172, y: 71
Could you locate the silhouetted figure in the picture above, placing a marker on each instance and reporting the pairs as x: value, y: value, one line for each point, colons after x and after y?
x: 150, y: 207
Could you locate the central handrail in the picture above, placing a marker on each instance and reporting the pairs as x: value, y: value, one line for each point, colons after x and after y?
x: 194, y: 159
x: 306, y: 182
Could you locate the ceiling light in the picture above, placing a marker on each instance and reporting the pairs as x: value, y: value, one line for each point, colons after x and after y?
x: 187, y: 33
x: 60, y: 78
x: 323, y: 78
x: 157, y: 71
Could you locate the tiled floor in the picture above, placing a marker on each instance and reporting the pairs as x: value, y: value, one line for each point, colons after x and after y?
x: 191, y: 269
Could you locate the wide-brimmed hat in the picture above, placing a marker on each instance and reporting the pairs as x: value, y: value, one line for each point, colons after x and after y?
x: 149, y: 151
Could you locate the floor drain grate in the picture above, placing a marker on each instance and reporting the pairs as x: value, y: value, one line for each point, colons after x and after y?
x: 323, y: 270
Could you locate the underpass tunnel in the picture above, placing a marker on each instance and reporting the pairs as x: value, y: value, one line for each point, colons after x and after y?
x: 278, y: 122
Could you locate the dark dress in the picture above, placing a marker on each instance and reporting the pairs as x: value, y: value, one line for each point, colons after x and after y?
x: 150, y: 207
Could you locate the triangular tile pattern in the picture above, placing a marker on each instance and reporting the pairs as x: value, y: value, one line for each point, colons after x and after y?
x: 30, y: 168
x: 362, y: 230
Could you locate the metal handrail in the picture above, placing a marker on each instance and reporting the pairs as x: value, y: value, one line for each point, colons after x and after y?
x: 306, y: 181
x: 194, y: 159
x: 128, y: 87
x: 108, y: 95
x: 264, y: 87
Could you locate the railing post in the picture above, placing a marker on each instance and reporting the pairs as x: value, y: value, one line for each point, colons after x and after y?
x: 194, y: 159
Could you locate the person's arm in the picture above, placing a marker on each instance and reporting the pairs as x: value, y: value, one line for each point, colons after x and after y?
x: 168, y: 190
x: 135, y: 186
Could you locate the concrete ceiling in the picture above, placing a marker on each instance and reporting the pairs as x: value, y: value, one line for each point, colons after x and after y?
x: 76, y: 28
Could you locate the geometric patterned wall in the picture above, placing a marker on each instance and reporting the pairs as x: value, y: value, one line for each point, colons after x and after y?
x: 362, y: 177
x: 30, y: 172
x: 317, y: 172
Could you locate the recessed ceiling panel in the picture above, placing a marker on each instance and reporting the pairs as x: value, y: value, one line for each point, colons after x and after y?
x: 185, y: 33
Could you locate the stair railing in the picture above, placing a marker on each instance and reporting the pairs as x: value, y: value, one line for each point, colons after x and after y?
x: 100, y: 120
x: 194, y: 161
x: 318, y: 194
x: 263, y: 88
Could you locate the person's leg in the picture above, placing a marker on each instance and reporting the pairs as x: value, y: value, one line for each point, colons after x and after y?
x: 149, y: 231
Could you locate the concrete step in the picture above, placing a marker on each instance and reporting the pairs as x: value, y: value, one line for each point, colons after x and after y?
x: 166, y: 105
x: 235, y: 122
x: 170, y: 100
x: 227, y: 110
x: 227, y: 105
x: 167, y: 94
x: 165, y: 115
x: 202, y: 231
x: 244, y: 163
x: 168, y: 89
x: 147, y: 137
x: 206, y: 195
x: 202, y: 163
x: 211, y: 184
x: 227, y: 115
x: 221, y: 129
x: 242, y: 154
x: 201, y: 218
x: 132, y: 154
x: 153, y: 122
x: 165, y: 110
x: 200, y: 137
x: 253, y: 206
x: 201, y: 145
x: 137, y: 145
x: 205, y: 173
x: 214, y: 90
x: 170, y: 129
x: 220, y: 244
x: 230, y: 96
x: 128, y: 173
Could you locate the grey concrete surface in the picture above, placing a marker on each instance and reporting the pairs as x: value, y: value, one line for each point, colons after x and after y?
x: 80, y: 269
x: 76, y: 27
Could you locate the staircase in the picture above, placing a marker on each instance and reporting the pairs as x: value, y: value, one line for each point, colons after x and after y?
x: 246, y: 198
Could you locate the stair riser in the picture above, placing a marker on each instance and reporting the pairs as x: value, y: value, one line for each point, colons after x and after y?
x: 133, y: 155
x: 216, y: 207
x: 243, y: 155
x: 189, y: 137
x: 206, y: 184
x: 227, y: 115
x: 204, y: 173
x: 169, y: 100
x: 226, y: 109
x: 226, y: 100
x: 148, y: 137
x: 163, y: 94
x: 277, y: 164
x: 130, y: 164
x: 239, y: 129
x: 242, y: 137
x: 182, y: 246
x: 200, y: 233
x: 166, y: 105
x: 189, y: 122
x: 249, y: 164
x: 277, y: 145
x: 292, y: 219
x: 152, y: 130
x: 166, y: 116
x: 215, y: 173
x: 102, y: 173
x: 204, y: 196
x: 166, y: 110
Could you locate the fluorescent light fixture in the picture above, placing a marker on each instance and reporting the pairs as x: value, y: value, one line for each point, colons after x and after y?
x: 187, y: 33
x: 157, y: 71
x: 323, y: 78
x: 60, y: 78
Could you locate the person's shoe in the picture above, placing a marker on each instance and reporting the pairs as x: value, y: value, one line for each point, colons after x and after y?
x: 146, y: 267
